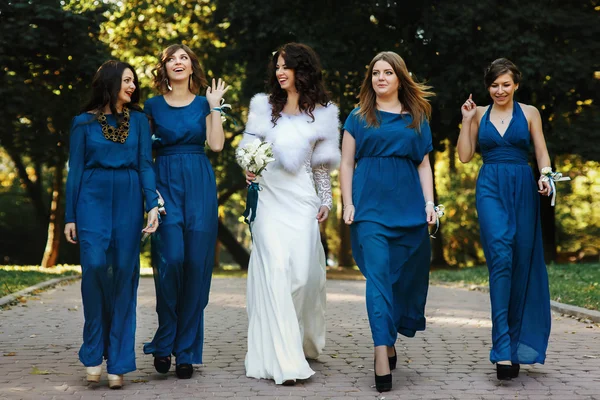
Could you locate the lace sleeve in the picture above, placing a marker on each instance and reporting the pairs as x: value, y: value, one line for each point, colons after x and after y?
x: 323, y: 184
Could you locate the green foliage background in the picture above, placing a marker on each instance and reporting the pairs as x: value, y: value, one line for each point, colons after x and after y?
x: 50, y: 49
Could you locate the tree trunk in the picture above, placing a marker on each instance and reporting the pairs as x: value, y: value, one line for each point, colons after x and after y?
x: 56, y: 219
x: 345, y: 258
x: 34, y: 190
x: 217, y: 259
x: 238, y: 252
x: 437, y: 245
x: 451, y: 159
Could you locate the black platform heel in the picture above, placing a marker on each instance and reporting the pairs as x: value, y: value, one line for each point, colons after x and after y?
x: 514, y: 370
x: 504, y: 372
x: 383, y: 383
x: 162, y: 364
x: 184, y: 371
x: 393, y: 359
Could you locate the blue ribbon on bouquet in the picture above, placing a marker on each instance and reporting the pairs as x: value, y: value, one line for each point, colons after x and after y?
x: 221, y: 109
x: 251, y: 203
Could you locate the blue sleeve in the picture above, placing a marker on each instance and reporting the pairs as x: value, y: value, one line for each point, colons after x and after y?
x: 76, y: 167
x: 351, y: 124
x: 204, y: 107
x: 426, y: 137
x: 147, y: 178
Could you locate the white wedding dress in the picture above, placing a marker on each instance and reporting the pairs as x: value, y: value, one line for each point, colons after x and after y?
x: 286, y: 275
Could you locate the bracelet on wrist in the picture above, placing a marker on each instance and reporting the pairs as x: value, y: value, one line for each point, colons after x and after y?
x: 429, y: 202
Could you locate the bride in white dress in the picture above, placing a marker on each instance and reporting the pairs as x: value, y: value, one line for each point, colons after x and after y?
x: 286, y: 277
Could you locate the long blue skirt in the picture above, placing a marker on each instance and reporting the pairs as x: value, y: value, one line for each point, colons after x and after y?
x: 109, y: 223
x: 511, y: 235
x: 183, y: 251
x: 395, y: 263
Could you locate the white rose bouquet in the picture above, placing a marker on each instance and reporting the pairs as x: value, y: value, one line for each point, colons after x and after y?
x: 254, y: 157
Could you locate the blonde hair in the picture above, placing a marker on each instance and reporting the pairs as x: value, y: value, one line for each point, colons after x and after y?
x: 412, y: 95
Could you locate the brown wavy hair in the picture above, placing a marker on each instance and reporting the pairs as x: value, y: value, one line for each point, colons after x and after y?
x: 412, y: 95
x: 308, y: 76
x: 197, y: 79
x: 499, y: 67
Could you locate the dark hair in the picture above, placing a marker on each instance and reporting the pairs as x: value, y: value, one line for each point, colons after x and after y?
x: 499, y: 67
x: 106, y: 86
x: 308, y: 80
x: 197, y: 78
x: 411, y: 94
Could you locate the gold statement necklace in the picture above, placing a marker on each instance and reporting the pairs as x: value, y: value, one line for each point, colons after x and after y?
x: 118, y: 134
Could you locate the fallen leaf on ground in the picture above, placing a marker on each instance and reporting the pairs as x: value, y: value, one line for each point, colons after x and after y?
x: 11, y: 354
x: 37, y: 371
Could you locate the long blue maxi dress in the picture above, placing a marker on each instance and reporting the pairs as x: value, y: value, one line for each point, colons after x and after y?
x: 508, y: 206
x: 183, y: 248
x: 105, y: 188
x: 390, y: 240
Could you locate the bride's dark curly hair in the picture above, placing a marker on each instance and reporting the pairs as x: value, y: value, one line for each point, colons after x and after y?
x: 308, y: 80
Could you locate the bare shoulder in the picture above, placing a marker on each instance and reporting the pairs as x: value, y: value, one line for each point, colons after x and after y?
x: 481, y: 110
x: 532, y: 114
x: 529, y: 110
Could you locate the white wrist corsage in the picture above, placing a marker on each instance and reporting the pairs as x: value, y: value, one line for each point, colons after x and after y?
x: 547, y: 175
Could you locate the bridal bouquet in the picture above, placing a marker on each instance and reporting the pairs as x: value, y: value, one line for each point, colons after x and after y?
x: 254, y: 157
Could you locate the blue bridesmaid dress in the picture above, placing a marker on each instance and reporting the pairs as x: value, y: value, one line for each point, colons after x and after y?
x: 390, y: 240
x: 106, y: 186
x: 508, y: 207
x: 183, y: 248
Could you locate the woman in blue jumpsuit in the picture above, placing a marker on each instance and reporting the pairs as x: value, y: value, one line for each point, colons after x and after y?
x: 509, y: 218
x: 110, y: 176
x: 183, y: 247
x: 387, y: 187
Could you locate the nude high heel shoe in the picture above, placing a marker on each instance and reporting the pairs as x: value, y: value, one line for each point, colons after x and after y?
x: 115, y: 381
x: 93, y: 373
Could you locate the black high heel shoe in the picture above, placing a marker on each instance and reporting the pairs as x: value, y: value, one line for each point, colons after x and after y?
x: 393, y: 359
x: 514, y: 370
x: 162, y: 364
x: 504, y: 372
x: 383, y: 383
x: 184, y: 371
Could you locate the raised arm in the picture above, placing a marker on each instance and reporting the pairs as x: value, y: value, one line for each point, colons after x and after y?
x: 215, y: 136
x: 467, y: 139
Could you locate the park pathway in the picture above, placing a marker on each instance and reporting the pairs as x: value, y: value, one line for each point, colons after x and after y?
x: 39, y: 340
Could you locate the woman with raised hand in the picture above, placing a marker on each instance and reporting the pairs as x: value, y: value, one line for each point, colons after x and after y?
x: 387, y: 188
x: 110, y: 176
x: 286, y: 275
x: 508, y: 208
x: 183, y: 247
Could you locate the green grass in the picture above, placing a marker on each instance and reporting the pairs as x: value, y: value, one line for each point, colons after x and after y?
x: 576, y: 284
x: 15, y: 278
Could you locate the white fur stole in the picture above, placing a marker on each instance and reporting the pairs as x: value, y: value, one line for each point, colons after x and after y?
x: 292, y: 137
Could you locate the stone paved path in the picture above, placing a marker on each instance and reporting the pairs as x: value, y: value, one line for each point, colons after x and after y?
x: 39, y: 341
